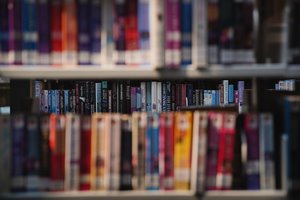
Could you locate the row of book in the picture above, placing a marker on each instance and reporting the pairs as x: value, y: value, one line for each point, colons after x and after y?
x: 286, y: 85
x: 144, y: 151
x: 169, y: 33
x: 86, y: 97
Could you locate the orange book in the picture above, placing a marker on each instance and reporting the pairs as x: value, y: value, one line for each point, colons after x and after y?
x: 69, y: 32
x: 182, y: 150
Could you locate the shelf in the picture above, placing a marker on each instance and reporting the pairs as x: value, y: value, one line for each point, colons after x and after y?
x: 125, y: 72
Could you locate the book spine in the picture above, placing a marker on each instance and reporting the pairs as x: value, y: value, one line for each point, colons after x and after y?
x: 69, y: 32
x: 148, y: 96
x: 148, y: 154
x: 95, y: 31
x: 126, y: 153
x: 225, y: 84
x: 56, y: 34
x: 115, y: 97
x: 98, y: 97
x: 252, y: 165
x: 169, y: 153
x: 15, y: 35
x: 85, y: 153
x: 44, y: 36
x: 155, y: 152
x: 143, y: 96
x: 230, y: 93
x: 29, y: 28
x: 215, y: 124
x: 104, y: 95
x: 157, y: 33
x: 186, y: 31
x: 168, y: 33
x: 199, y: 33
x: 182, y: 150
x: 162, y: 149
x: 189, y: 94
x: 19, y: 144
x: 61, y: 101
x: 142, y: 127
x: 105, y: 145
x: 83, y: 32
x: 135, y: 149
x: 33, y: 182
x: 154, y: 96
x: 164, y: 97
x: 183, y: 101
x: 133, y: 99
x: 57, y: 147
x: 45, y: 152
x: 138, y: 99
x: 4, y: 32
x: 72, y: 153
x: 131, y: 32
x: 119, y: 32
x: 81, y: 97
x: 144, y: 32
x: 66, y: 101
x: 5, y: 153
x: 159, y: 97
x: 87, y: 97
x: 241, y: 87
x: 168, y: 96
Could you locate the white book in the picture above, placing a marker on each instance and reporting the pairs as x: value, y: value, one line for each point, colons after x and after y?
x: 199, y: 33
x: 72, y: 152
x: 153, y: 96
x: 143, y: 96
x: 225, y: 84
x: 157, y: 33
x: 159, y: 97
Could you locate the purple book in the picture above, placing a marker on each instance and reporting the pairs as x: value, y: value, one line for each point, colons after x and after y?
x: 169, y: 33
x: 4, y: 32
x: 143, y: 28
x: 119, y: 32
x: 176, y: 36
x: 44, y: 32
x: 133, y: 99
x: 14, y: 27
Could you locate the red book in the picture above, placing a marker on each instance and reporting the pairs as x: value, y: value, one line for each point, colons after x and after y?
x: 131, y: 32
x: 85, y: 153
x: 57, y: 152
x: 162, y: 151
x: 56, y: 32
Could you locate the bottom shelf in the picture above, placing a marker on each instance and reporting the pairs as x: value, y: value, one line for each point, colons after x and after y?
x: 147, y: 195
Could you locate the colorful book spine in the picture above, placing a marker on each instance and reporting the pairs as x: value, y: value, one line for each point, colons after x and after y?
x: 148, y: 96
x: 83, y: 32
x: 44, y: 32
x: 45, y: 152
x: 115, y: 152
x: 5, y: 153
x: 162, y: 149
x: 126, y: 153
x: 4, y: 33
x: 252, y: 165
x: 95, y: 31
x: 69, y: 32
x: 72, y: 152
x: 144, y: 32
x: 266, y: 151
x: 241, y: 87
x: 18, y: 153
x: 85, y: 153
x: 98, y: 89
x: 230, y: 93
x: 182, y: 150
x: 131, y: 32
x: 148, y: 146
x: 225, y: 84
x: 29, y: 29
x: 157, y: 33
x: 186, y: 31
x: 15, y: 35
x: 168, y: 33
x: 119, y: 32
x: 154, y: 96
x: 199, y: 33
x: 56, y: 32
x: 154, y: 123
x: 33, y: 154
x: 159, y: 96
x: 57, y: 152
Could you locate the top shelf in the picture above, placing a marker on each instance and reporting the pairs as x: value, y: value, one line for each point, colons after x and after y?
x: 125, y: 72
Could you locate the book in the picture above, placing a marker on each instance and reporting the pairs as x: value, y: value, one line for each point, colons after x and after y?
x: 186, y: 31
x: 56, y: 32
x: 95, y: 31
x: 72, y: 152
x: 144, y: 32
x: 5, y: 153
x: 44, y: 32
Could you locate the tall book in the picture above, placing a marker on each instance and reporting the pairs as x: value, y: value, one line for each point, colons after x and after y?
x: 33, y: 153
x: 131, y: 32
x: 29, y: 30
x: 126, y: 169
x: 69, y: 32
x: 4, y: 32
x: 44, y: 32
x: 182, y: 150
x: 56, y: 32
x: 95, y: 31
x: 144, y: 32
x: 186, y: 31
x: 83, y: 32
x: 15, y: 35
x: 119, y: 31
x: 5, y: 153
x: 266, y: 151
x: 252, y: 165
x: 72, y: 152
x: 85, y: 153
x: 18, y: 153
x: 157, y: 33
x: 57, y: 152
x: 45, y: 152
x: 199, y: 33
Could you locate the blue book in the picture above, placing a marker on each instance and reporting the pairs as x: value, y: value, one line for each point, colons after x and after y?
x: 57, y: 101
x: 33, y: 182
x: 217, y: 96
x: 155, y: 151
x: 66, y: 101
x: 83, y: 13
x: 168, y: 93
x: 95, y: 31
x: 148, y: 96
x: 186, y: 32
x: 148, y: 146
x: 230, y: 93
x: 213, y: 97
x: 53, y: 101
x: 4, y: 32
x: 49, y: 101
x: 30, y: 33
x: 138, y: 99
x: 144, y: 33
x: 98, y: 89
x: 164, y: 97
